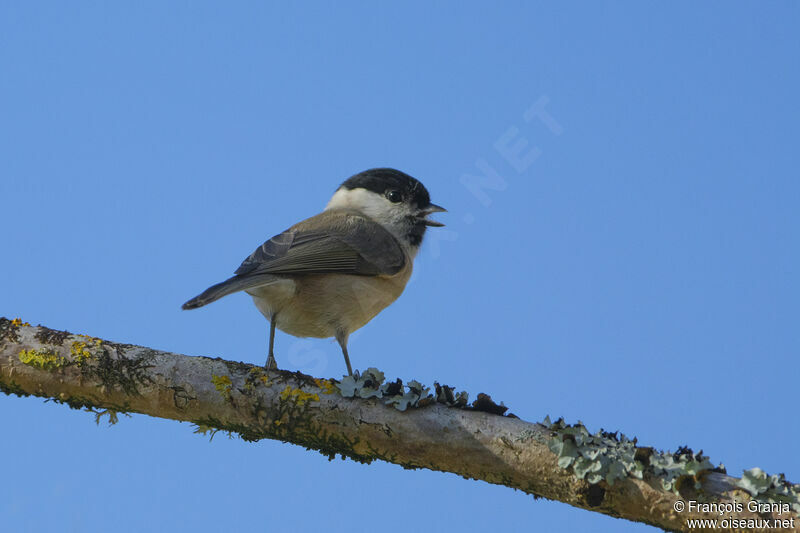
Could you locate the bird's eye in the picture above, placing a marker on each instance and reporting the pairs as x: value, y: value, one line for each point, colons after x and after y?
x: 394, y: 196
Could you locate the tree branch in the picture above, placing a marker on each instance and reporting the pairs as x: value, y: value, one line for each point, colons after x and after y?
x: 361, y: 419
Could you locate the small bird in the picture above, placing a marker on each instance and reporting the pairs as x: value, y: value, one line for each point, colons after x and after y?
x: 330, y: 274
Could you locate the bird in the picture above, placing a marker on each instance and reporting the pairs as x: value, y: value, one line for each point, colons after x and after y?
x: 330, y: 274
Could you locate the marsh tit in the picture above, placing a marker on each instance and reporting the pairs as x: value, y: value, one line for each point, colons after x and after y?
x: 332, y: 273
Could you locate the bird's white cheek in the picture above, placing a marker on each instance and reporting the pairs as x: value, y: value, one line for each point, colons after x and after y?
x: 392, y: 216
x: 374, y: 205
x: 362, y: 200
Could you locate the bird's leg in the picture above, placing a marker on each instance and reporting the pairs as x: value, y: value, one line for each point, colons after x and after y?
x: 341, y: 336
x: 271, y: 363
x: 347, y: 360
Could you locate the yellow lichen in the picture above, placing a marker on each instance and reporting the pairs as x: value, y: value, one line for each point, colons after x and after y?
x: 42, y: 360
x: 258, y: 373
x: 298, y: 396
x: 19, y: 322
x: 326, y: 385
x: 79, y: 352
x: 223, y: 384
x: 90, y: 339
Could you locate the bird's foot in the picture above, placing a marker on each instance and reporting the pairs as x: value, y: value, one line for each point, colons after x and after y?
x: 271, y: 363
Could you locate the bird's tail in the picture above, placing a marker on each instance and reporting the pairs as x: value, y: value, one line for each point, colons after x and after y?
x: 213, y: 293
x: 229, y: 286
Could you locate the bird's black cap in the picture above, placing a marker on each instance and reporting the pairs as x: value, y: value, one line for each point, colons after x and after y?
x: 381, y: 180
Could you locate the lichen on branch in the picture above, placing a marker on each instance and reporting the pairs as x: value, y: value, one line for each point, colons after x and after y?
x: 366, y: 417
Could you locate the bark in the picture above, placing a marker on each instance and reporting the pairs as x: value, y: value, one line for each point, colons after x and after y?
x: 107, y: 377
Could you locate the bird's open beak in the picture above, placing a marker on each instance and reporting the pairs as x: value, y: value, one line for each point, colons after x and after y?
x: 429, y: 209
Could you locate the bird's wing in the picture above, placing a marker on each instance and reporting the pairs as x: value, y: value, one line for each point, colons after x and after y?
x: 349, y: 243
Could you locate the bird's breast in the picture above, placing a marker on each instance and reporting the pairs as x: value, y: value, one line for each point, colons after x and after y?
x: 322, y: 304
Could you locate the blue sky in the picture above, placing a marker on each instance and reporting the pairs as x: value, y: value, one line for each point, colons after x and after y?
x: 634, y: 265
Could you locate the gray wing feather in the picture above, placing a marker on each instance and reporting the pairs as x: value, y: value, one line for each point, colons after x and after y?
x: 276, y: 247
x: 351, y: 244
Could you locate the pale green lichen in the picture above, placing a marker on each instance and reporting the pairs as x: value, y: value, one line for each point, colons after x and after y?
x: 770, y: 488
x: 223, y: 385
x: 604, y: 456
x: 42, y: 359
x: 371, y: 384
x: 112, y: 414
x: 609, y: 457
x: 202, y: 429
